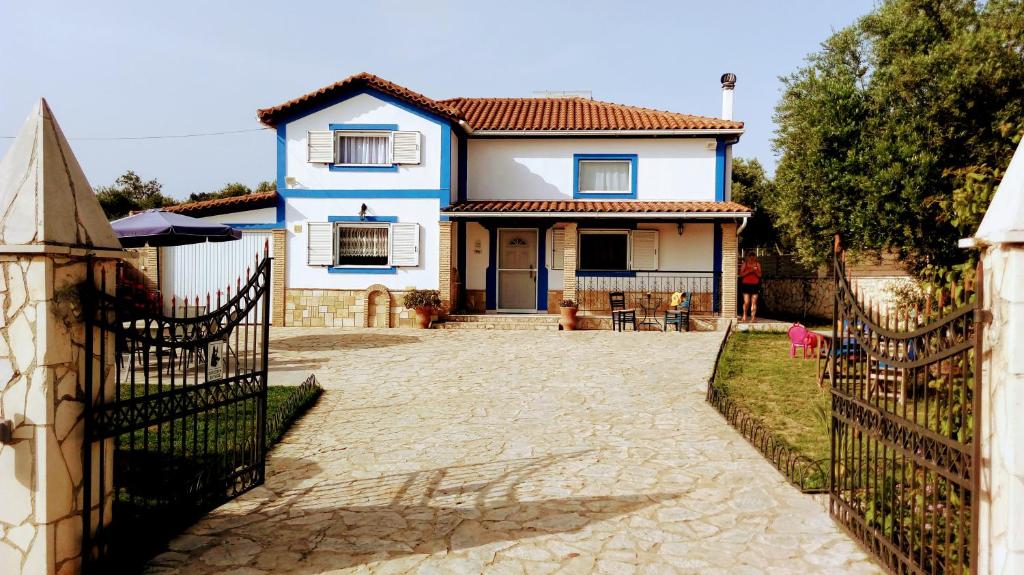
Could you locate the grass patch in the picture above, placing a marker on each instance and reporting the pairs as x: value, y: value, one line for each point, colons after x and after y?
x: 757, y: 374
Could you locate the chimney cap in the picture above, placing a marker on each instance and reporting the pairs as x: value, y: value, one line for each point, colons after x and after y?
x: 728, y: 81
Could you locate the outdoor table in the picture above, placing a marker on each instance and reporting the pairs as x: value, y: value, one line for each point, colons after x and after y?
x: 650, y: 306
x: 826, y: 338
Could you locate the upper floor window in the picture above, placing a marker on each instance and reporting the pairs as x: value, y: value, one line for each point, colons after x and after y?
x: 610, y: 176
x: 604, y: 176
x: 363, y: 148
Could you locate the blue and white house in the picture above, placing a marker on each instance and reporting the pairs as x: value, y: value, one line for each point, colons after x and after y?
x: 505, y: 205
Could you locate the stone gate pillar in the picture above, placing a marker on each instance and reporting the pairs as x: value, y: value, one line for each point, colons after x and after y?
x: 1000, y: 425
x: 50, y: 225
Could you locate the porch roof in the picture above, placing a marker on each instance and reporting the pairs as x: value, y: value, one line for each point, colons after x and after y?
x: 597, y: 209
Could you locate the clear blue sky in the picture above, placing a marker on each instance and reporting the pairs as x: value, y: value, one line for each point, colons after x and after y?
x: 112, y: 69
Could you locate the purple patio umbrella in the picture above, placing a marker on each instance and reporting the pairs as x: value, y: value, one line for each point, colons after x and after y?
x: 157, y: 229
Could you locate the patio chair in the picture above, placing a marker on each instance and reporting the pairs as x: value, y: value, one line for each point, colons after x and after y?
x: 679, y: 315
x: 800, y: 338
x: 620, y: 313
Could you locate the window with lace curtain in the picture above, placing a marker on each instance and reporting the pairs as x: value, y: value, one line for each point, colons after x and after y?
x: 363, y: 148
x: 361, y: 244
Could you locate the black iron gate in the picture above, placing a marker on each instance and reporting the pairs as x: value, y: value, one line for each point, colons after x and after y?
x: 904, y: 392
x: 176, y: 426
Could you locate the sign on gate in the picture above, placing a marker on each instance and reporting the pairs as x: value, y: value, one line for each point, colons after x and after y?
x: 215, y: 357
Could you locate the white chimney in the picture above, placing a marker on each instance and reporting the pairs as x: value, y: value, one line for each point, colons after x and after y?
x: 728, y: 85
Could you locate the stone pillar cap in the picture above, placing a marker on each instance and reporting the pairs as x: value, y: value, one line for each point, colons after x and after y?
x: 1004, y: 220
x: 45, y: 200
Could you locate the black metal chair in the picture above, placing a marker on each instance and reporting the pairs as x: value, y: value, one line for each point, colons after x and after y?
x: 620, y: 313
x: 679, y: 316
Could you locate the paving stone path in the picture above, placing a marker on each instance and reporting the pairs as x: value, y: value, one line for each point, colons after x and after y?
x: 511, y: 452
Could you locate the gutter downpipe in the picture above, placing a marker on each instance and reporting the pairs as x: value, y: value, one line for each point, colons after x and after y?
x: 739, y: 230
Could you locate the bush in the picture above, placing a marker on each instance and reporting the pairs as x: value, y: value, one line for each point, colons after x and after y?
x: 422, y: 298
x: 567, y: 303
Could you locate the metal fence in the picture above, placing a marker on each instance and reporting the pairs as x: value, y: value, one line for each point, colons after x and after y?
x: 177, y: 425
x: 904, y: 470
x: 592, y: 289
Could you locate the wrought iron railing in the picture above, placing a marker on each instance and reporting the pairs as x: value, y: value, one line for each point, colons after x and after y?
x: 593, y: 287
x: 905, y: 459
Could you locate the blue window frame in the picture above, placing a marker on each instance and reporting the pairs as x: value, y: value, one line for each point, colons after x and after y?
x: 363, y: 128
x: 579, y: 161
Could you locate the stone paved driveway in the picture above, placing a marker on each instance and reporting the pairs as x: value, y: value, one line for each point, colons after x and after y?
x: 511, y: 452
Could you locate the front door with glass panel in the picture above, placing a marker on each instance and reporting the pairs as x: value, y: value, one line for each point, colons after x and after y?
x: 517, y: 270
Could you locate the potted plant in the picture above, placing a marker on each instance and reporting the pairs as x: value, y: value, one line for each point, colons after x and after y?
x: 568, y: 311
x: 424, y: 301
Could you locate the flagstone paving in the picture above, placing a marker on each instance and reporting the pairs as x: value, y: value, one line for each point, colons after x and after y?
x: 511, y: 452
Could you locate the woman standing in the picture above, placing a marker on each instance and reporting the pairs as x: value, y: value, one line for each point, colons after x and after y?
x: 750, y: 285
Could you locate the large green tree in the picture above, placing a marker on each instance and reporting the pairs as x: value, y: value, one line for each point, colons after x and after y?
x: 130, y: 193
x: 893, y: 132
x: 752, y: 187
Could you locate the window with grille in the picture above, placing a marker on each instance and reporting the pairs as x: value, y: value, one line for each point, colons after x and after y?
x: 361, y: 244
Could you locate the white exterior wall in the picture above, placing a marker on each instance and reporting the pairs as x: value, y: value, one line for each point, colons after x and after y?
x: 300, y: 275
x: 478, y: 243
x: 542, y: 169
x: 260, y: 216
x: 364, y: 109
x: 692, y: 251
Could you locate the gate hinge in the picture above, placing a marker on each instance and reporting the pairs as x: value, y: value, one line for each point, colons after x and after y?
x: 982, y: 316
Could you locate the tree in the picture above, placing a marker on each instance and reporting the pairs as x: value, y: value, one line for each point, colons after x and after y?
x: 752, y: 187
x: 130, y: 194
x: 232, y: 190
x: 886, y: 130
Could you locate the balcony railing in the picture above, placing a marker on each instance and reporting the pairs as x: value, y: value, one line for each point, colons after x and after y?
x: 593, y: 287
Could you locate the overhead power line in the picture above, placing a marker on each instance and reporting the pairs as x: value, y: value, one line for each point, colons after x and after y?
x: 166, y: 137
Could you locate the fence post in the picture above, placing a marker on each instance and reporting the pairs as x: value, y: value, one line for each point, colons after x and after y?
x: 1000, y: 527
x: 51, y: 228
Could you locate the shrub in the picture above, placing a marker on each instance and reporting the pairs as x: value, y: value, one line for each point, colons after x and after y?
x: 421, y: 298
x: 567, y: 303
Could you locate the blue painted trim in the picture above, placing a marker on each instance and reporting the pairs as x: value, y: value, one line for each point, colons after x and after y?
x: 492, y: 268
x: 720, y: 170
x: 463, y: 149
x: 375, y: 271
x: 412, y: 109
x: 357, y: 194
x: 542, y: 268
x: 281, y: 209
x: 606, y: 273
x: 460, y: 226
x: 576, y: 194
x: 337, y: 168
x: 274, y: 226
x: 282, y: 156
x: 388, y: 127
x: 717, y: 282
x: 368, y: 219
x: 446, y: 166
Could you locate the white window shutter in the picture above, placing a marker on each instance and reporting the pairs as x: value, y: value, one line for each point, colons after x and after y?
x: 405, y: 244
x: 320, y: 147
x: 321, y: 243
x: 645, y: 250
x: 405, y: 147
x: 558, y: 248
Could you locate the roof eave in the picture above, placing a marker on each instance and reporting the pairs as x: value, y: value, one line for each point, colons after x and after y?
x: 616, y: 215
x: 648, y: 133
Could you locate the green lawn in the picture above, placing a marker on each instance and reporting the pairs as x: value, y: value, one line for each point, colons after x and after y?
x: 757, y: 373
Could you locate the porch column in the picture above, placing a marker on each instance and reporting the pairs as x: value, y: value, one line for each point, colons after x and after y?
x: 444, y: 264
x: 569, y: 262
x: 730, y: 266
x: 277, y: 275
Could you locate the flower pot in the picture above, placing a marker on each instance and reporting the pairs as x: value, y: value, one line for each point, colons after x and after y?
x: 423, y: 314
x: 568, y: 319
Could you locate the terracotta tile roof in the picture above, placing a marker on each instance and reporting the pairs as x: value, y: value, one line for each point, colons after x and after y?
x: 270, y: 116
x: 509, y: 114
x: 568, y: 114
x: 593, y: 207
x: 225, y: 205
